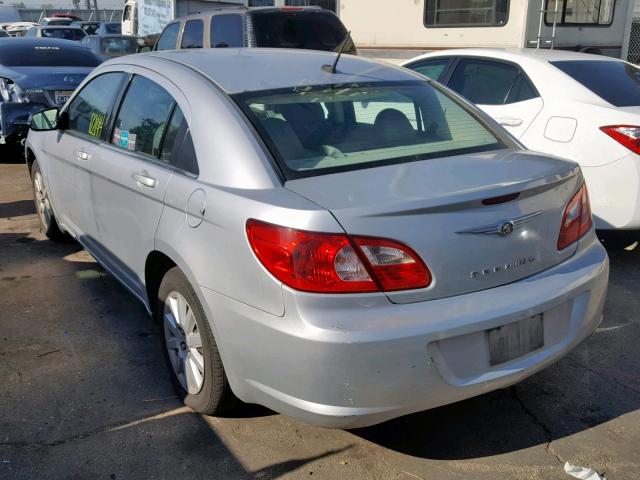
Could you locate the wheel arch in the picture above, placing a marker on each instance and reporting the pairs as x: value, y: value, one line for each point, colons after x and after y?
x: 155, y: 268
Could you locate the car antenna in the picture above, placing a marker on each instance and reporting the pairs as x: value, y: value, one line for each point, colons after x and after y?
x: 332, y: 68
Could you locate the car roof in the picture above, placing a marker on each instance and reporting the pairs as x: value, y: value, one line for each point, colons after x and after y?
x: 27, y: 42
x: 58, y: 27
x: 112, y: 35
x: 245, y: 10
x: 541, y: 55
x: 237, y: 70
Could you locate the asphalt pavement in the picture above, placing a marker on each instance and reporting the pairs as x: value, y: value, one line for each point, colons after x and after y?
x: 85, y: 394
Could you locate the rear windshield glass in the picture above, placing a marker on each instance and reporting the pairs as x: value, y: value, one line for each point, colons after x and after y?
x: 313, y: 30
x: 324, y: 129
x: 63, y: 33
x: 616, y: 82
x: 42, y: 55
x: 112, y: 28
x: 113, y: 47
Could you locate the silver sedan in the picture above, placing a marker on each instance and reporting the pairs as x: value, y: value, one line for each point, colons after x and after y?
x: 341, y: 245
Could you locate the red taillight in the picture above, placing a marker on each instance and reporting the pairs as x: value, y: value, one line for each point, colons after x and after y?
x: 626, y: 135
x: 334, y: 263
x: 576, y: 220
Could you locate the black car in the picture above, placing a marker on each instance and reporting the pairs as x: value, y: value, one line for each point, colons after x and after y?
x: 110, y: 46
x: 36, y: 73
x: 310, y: 28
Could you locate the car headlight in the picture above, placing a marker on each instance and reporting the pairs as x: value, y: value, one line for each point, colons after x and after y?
x: 10, y: 92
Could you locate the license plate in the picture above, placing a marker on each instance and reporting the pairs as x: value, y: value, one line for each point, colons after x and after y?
x: 62, y: 97
x: 515, y: 340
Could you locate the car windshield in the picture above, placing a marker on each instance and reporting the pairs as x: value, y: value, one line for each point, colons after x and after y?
x: 63, y: 33
x: 43, y: 55
x: 313, y: 30
x: 324, y: 129
x: 616, y: 82
x: 114, y: 47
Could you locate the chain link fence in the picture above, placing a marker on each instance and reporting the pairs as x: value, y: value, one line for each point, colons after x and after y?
x: 35, y: 14
x: 631, y: 47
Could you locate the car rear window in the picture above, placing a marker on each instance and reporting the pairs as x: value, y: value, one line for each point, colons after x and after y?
x: 615, y: 82
x: 63, y: 33
x: 319, y: 130
x: 313, y: 30
x: 113, y: 28
x: 43, y: 55
x: 113, y: 47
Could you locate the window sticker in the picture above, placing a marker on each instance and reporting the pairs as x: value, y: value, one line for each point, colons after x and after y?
x: 131, y: 141
x: 96, y: 122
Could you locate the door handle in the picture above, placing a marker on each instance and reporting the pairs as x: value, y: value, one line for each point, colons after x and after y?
x: 145, y: 180
x: 509, y: 121
x: 80, y: 155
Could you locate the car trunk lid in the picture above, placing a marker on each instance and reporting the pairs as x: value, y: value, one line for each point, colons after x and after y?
x: 451, y: 212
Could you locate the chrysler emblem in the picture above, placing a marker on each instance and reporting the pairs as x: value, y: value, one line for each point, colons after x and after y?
x: 506, y: 228
x: 68, y: 79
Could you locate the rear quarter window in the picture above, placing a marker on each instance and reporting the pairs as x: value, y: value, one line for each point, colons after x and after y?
x: 615, y: 82
x: 313, y: 30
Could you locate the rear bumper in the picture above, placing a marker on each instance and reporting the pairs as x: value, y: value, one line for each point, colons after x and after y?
x: 614, y: 191
x: 356, y: 361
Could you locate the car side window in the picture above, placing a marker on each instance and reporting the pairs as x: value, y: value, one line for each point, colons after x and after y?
x: 88, y: 110
x: 431, y: 68
x: 226, y: 31
x: 487, y: 82
x: 192, y: 34
x: 169, y: 38
x: 143, y: 117
x: 177, y: 148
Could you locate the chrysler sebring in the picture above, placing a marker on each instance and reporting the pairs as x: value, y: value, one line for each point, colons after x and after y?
x: 343, y: 244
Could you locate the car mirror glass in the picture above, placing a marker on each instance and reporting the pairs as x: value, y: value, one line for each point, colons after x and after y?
x: 45, y: 120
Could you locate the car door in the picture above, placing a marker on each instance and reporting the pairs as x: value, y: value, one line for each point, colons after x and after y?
x: 169, y: 37
x: 501, y: 89
x: 129, y: 179
x: 70, y: 153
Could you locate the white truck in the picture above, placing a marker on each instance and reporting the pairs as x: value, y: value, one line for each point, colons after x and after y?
x: 149, y: 17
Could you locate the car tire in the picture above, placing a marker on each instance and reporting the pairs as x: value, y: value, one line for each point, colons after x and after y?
x: 188, y: 344
x: 44, y: 210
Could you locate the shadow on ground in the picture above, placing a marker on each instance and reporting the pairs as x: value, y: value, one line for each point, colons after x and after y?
x: 597, y: 382
x: 86, y: 389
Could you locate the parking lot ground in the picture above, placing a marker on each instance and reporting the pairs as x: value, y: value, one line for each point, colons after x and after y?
x: 84, y: 392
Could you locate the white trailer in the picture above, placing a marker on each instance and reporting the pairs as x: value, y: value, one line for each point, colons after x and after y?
x: 149, y: 17
x: 403, y: 28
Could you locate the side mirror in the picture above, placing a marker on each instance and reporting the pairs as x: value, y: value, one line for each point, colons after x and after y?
x: 144, y: 49
x: 48, y: 120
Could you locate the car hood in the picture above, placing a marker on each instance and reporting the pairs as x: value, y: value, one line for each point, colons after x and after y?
x: 46, y: 77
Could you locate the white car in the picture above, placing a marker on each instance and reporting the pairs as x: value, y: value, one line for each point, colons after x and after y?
x: 578, y: 106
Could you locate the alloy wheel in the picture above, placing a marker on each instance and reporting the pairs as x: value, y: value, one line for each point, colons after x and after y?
x: 43, y: 205
x: 183, y: 342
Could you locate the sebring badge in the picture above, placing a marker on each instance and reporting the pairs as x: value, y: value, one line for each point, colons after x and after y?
x: 68, y: 79
x: 503, y: 267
